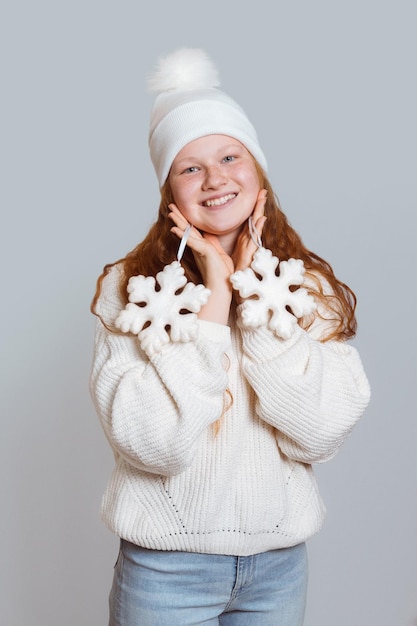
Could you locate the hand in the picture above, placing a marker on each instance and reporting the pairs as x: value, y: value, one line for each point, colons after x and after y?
x: 245, y: 247
x: 215, y: 266
x: 211, y: 259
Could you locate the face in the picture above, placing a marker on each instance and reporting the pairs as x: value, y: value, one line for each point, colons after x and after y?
x: 215, y: 184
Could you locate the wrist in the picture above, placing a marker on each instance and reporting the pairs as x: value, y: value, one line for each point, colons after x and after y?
x: 217, y: 308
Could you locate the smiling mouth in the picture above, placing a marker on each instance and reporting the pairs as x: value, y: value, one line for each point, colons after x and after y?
x: 219, y: 201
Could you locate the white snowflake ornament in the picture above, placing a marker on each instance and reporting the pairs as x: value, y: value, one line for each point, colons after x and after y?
x: 273, y: 294
x: 168, y: 314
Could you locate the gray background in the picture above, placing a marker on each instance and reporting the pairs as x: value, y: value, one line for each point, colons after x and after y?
x: 331, y: 89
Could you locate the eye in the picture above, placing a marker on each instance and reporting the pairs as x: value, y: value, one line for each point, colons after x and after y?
x: 190, y: 170
x: 229, y: 158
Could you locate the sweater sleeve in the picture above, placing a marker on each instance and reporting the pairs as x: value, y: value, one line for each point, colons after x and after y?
x: 153, y: 410
x: 313, y: 393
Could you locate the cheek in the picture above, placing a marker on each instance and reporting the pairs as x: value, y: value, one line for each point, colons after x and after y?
x: 182, y: 195
x: 253, y: 182
x: 184, y: 205
x: 249, y: 179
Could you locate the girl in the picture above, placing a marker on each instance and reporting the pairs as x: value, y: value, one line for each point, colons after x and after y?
x: 221, y: 374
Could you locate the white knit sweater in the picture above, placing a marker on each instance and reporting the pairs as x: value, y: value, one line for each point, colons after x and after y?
x: 250, y: 488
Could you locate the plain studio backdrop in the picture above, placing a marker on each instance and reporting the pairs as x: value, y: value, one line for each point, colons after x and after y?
x: 331, y: 88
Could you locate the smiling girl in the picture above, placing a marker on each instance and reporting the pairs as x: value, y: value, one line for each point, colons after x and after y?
x: 218, y: 396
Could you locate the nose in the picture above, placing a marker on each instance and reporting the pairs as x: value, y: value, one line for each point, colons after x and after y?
x: 214, y: 177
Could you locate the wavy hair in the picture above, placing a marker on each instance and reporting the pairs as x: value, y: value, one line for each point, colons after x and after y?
x: 160, y: 246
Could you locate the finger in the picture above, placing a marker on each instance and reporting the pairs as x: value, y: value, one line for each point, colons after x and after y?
x: 193, y: 236
x: 177, y: 217
x: 259, y: 205
x: 258, y: 217
x: 259, y: 224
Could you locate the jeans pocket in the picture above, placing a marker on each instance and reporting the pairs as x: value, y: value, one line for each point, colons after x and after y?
x: 119, y: 554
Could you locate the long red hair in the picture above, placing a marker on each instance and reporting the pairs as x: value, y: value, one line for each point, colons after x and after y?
x: 160, y: 247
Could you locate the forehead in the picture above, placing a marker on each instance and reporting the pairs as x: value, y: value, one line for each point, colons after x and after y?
x: 208, y: 144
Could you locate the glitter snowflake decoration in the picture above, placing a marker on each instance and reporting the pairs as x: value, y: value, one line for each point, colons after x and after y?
x: 274, y: 305
x: 167, y: 314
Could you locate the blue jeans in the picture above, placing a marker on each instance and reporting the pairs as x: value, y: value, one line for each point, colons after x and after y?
x: 157, y: 588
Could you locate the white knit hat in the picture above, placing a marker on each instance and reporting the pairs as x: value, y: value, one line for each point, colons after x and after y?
x: 188, y: 106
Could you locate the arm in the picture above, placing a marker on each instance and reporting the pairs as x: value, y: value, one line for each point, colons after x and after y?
x: 153, y: 410
x: 313, y: 393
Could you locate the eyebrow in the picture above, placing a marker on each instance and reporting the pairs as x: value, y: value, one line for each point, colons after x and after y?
x: 231, y: 147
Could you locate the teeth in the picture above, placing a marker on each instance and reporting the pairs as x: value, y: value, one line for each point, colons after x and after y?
x: 220, y: 201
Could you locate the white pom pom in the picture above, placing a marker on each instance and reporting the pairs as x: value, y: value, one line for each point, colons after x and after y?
x: 184, y: 69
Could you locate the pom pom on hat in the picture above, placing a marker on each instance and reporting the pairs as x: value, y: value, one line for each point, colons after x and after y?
x: 189, y: 105
x: 185, y: 69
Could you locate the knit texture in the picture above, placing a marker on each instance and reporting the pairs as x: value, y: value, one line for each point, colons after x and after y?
x: 250, y: 488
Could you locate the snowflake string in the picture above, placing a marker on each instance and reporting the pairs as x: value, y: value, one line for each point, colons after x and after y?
x: 275, y: 306
x: 157, y: 317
